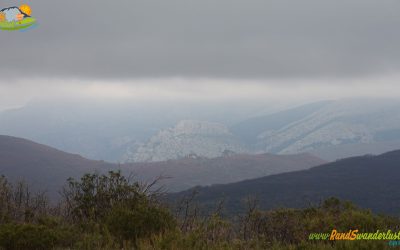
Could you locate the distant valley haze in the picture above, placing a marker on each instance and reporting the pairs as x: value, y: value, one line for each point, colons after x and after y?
x: 124, y: 131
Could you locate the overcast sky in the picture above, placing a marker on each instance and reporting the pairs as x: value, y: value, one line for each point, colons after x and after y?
x: 246, y: 46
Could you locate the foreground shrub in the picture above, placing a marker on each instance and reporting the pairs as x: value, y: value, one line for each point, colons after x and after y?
x: 292, y: 226
x: 19, y: 204
x: 141, y: 221
x: 30, y: 236
x: 107, y: 212
x: 112, y: 204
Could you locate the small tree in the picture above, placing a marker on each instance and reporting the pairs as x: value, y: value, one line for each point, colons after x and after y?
x: 19, y: 204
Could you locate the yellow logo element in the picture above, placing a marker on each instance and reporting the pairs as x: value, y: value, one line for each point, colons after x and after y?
x: 26, y: 9
x: 350, y: 235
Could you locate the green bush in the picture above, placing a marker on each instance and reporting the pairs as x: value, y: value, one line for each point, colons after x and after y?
x: 140, y: 222
x: 30, y: 236
x: 292, y: 226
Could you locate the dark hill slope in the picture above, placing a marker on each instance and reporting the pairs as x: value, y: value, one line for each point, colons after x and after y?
x: 42, y: 166
x: 369, y: 181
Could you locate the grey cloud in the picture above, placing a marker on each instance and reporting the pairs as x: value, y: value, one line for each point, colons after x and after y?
x: 207, y: 38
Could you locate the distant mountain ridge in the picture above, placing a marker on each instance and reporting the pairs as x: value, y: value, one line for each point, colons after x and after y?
x: 249, y: 129
x: 48, y: 168
x: 194, y: 171
x: 328, y: 129
x: 369, y: 181
x: 136, y: 133
x: 367, y: 126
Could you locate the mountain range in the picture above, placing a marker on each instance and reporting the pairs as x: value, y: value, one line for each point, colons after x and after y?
x: 368, y: 181
x: 194, y: 170
x: 329, y: 129
x: 141, y: 133
x: 48, y: 169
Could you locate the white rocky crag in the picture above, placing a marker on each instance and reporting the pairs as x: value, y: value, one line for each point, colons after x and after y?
x: 205, y: 139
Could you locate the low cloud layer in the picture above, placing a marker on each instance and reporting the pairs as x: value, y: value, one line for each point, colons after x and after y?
x: 256, y: 93
x: 226, y: 39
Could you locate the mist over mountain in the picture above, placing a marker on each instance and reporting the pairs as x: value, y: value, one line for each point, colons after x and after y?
x: 143, y: 131
x: 95, y: 130
x: 249, y: 129
x: 105, y: 131
x: 359, y: 126
x: 328, y: 129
